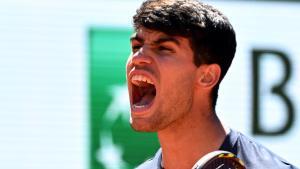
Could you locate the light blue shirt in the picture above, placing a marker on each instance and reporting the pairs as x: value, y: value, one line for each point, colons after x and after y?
x: 154, y: 163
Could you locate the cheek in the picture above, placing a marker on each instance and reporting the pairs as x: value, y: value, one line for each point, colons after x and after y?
x: 180, y: 74
x: 129, y: 60
x: 177, y: 75
x: 177, y: 84
x: 128, y: 67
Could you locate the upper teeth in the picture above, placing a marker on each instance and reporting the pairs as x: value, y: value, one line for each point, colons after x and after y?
x: 141, y: 78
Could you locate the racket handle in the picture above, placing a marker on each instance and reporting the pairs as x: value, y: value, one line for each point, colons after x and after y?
x: 219, y: 160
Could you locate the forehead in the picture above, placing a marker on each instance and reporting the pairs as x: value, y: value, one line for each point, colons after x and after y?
x: 146, y: 35
x: 144, y: 32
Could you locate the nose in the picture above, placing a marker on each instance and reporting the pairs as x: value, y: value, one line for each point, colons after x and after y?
x: 141, y: 57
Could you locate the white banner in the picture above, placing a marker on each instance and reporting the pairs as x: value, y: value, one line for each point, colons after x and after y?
x: 44, y: 79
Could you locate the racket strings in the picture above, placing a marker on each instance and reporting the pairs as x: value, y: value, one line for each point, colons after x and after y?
x: 224, y: 163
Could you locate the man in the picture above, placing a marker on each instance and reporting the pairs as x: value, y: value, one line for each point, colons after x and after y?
x: 181, y: 50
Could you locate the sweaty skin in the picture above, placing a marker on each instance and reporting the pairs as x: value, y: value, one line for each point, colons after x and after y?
x: 180, y: 111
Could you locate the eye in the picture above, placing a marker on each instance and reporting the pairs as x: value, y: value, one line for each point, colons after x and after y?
x: 135, y: 48
x: 164, y: 49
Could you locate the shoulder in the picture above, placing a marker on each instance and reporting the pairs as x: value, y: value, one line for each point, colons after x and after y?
x: 146, y: 165
x: 256, y: 155
x: 153, y: 163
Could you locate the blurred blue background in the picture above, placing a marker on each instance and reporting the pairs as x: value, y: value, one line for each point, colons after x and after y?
x: 47, y: 115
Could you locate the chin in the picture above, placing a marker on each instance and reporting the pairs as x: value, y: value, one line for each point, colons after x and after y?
x: 142, y: 125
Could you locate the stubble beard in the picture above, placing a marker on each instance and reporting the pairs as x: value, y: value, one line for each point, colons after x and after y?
x: 165, y: 117
x: 150, y: 124
x: 171, y: 109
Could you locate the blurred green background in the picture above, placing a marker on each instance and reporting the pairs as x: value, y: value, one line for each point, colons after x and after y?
x: 63, y: 94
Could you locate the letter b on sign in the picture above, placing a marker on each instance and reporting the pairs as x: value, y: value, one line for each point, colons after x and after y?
x: 278, y: 89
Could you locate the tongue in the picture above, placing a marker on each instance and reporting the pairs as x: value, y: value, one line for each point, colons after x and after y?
x: 145, y: 100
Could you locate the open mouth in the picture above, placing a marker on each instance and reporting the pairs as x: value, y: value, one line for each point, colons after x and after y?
x: 143, y: 92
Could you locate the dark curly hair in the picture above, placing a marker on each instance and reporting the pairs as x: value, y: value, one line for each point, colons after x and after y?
x: 211, y: 35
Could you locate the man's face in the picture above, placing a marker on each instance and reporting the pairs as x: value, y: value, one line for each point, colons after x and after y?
x: 161, y: 79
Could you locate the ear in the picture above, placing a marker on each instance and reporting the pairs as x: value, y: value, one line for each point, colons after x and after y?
x: 208, y: 75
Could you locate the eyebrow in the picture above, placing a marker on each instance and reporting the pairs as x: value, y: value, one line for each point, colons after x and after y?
x: 156, y: 42
x: 136, y: 37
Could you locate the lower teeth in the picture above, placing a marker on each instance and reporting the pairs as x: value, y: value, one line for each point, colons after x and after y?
x: 139, y: 106
x: 144, y: 101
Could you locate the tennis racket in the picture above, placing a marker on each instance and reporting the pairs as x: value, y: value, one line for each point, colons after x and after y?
x: 219, y: 160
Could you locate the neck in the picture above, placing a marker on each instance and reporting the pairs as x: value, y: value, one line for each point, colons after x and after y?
x: 184, y: 142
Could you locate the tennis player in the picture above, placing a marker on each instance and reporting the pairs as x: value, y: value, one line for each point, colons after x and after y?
x: 181, y: 51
